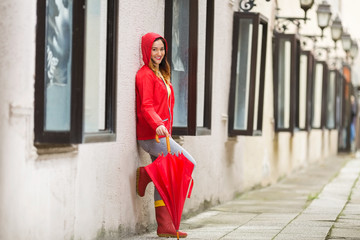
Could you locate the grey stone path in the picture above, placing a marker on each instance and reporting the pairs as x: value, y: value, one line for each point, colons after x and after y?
x: 319, y: 202
x: 347, y: 226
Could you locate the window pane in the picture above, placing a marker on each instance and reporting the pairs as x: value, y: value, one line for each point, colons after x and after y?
x: 201, y: 64
x: 95, y: 65
x: 58, y: 48
x: 284, y: 84
x: 257, y: 77
x: 331, y: 100
x: 339, y: 97
x: 303, y: 90
x: 345, y: 131
x: 179, y: 62
x: 317, y: 96
x: 243, y: 74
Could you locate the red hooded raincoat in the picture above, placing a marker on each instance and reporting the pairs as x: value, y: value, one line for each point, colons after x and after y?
x: 153, y: 106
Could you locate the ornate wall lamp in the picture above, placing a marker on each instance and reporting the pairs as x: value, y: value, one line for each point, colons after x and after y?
x: 350, y: 46
x: 282, y: 25
x: 354, y: 49
x: 336, y: 33
x: 306, y: 5
x: 346, y: 41
x: 336, y: 30
x: 323, y: 16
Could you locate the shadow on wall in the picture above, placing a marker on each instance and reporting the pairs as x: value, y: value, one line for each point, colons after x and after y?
x: 2, y: 182
x: 291, y: 152
x: 230, y: 152
x: 276, y: 153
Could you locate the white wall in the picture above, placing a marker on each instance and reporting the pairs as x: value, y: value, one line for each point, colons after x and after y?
x: 79, y: 194
x: 350, y: 18
x: 17, y: 41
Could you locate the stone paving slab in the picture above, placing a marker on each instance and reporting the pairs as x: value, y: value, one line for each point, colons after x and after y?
x: 345, y: 233
x: 218, y: 219
x: 291, y: 236
x: 280, y: 212
x: 347, y: 226
x: 246, y: 235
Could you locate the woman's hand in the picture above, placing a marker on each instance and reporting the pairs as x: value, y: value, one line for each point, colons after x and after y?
x: 162, y: 131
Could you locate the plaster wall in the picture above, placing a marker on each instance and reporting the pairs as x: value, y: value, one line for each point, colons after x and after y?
x: 350, y: 17
x: 89, y: 192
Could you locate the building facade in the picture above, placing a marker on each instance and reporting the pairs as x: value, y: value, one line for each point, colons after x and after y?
x: 253, y: 104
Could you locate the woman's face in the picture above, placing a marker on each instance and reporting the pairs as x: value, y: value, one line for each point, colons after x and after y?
x: 157, y: 52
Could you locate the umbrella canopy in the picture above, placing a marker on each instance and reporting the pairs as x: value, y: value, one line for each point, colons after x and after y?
x: 171, y: 175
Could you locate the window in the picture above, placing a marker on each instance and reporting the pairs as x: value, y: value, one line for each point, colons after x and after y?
x: 247, y: 74
x: 75, y: 71
x: 305, y: 87
x: 189, y: 33
x: 339, y: 97
x: 204, y: 77
x: 319, y: 95
x: 346, y: 111
x: 286, y: 74
x: 331, y: 100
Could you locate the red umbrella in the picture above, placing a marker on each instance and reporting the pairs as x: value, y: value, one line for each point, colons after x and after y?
x: 172, y: 178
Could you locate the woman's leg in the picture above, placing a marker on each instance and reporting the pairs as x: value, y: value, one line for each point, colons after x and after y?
x: 155, y: 149
x: 157, y: 196
x: 165, y: 225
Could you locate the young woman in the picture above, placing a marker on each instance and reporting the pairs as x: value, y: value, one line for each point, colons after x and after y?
x: 154, y: 112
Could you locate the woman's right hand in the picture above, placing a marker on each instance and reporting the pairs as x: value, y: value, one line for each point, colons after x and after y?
x: 162, y: 131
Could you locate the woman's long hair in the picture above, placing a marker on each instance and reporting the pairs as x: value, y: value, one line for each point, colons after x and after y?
x: 164, y: 66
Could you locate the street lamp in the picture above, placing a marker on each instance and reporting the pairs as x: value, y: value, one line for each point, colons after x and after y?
x: 346, y: 41
x: 353, y: 49
x: 323, y: 16
x: 306, y: 5
x: 336, y: 30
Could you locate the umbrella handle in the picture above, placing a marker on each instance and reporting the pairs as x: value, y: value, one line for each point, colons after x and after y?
x: 167, y: 142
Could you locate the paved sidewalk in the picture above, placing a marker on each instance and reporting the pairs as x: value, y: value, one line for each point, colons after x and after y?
x: 347, y: 226
x: 319, y: 202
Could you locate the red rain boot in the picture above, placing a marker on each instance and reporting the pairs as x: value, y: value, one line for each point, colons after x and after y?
x: 142, y: 180
x: 166, y: 227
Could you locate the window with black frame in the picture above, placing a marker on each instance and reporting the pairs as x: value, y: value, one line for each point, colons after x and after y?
x: 319, y: 96
x: 189, y: 33
x: 247, y: 74
x: 339, y: 97
x: 286, y: 74
x: 75, y: 84
x: 344, y: 139
x: 331, y: 100
x: 305, y: 87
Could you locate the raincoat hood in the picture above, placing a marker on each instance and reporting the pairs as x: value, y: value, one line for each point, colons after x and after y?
x: 146, y: 43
